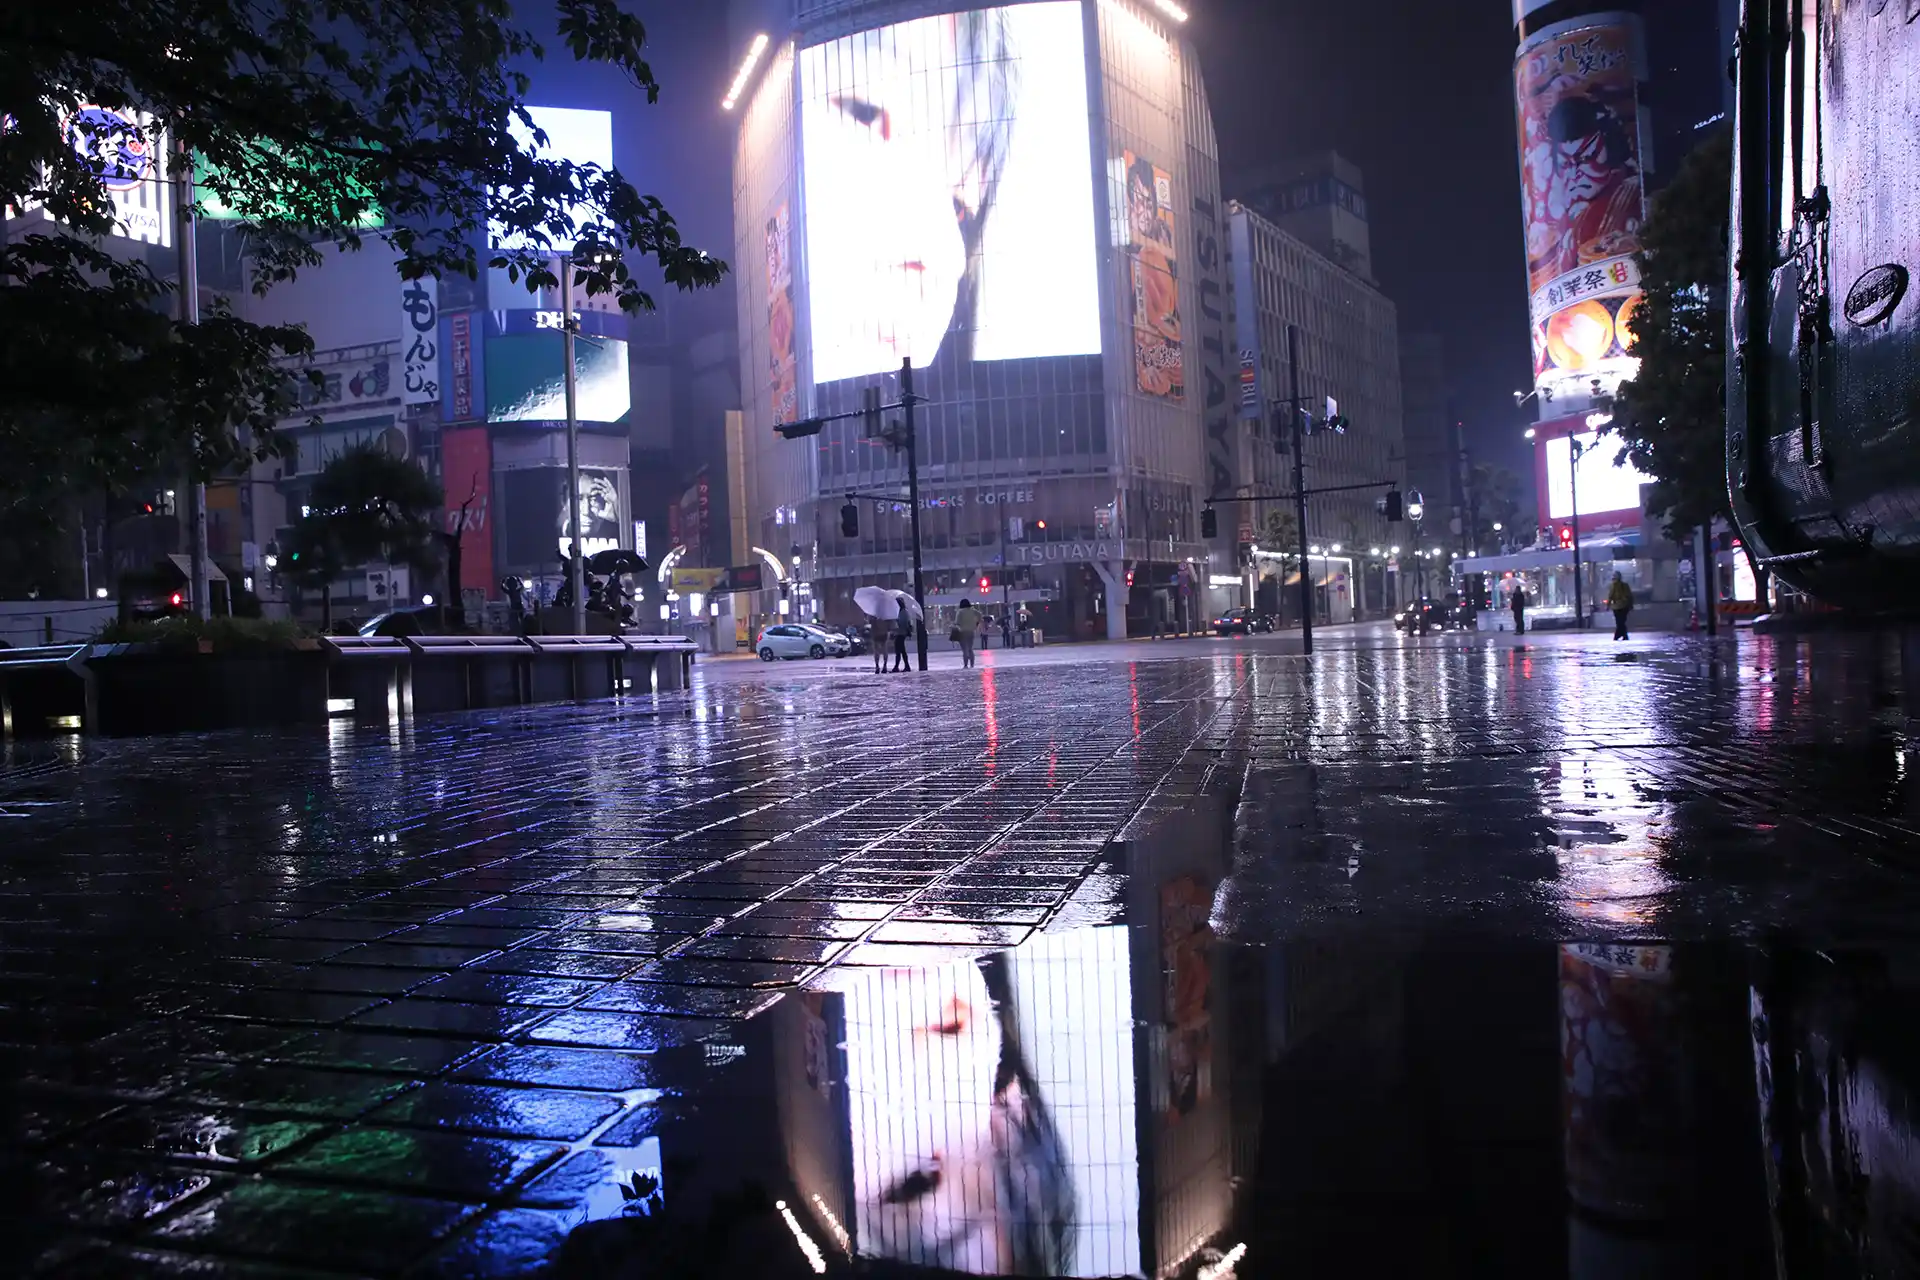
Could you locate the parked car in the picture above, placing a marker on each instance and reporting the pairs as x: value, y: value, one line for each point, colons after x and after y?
x: 799, y: 640
x: 857, y: 640
x: 1441, y: 616
x: 426, y: 619
x: 1241, y: 621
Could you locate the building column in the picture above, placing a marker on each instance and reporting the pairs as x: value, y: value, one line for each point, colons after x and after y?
x: 1113, y: 576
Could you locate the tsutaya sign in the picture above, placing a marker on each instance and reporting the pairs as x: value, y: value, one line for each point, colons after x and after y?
x: 1065, y: 552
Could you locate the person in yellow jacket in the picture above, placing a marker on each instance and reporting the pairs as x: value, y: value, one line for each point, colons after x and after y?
x: 1620, y: 600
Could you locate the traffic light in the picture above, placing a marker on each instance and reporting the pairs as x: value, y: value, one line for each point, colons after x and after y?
x: 176, y: 600
x: 1394, y: 510
x: 870, y: 412
x: 849, y: 521
x: 804, y: 427
x: 1209, y: 523
x: 985, y: 585
x: 1566, y: 537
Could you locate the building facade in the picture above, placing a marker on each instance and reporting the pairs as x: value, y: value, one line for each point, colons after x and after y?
x: 1349, y: 350
x: 1022, y: 200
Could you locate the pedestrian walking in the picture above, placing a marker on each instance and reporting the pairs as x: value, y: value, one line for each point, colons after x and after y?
x: 1620, y: 600
x: 966, y: 629
x: 1006, y: 627
x: 1518, y: 603
x: 902, y: 628
x: 1026, y: 628
x: 877, y: 631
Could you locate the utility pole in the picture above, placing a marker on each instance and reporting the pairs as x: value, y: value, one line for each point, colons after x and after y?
x: 1300, y: 485
x: 202, y: 581
x: 1573, y: 478
x: 907, y: 401
x: 576, y: 571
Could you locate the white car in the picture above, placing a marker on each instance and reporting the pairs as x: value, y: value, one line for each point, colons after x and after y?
x: 798, y: 640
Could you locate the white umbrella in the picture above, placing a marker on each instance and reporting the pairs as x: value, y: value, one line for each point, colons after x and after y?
x: 912, y: 606
x: 876, y: 602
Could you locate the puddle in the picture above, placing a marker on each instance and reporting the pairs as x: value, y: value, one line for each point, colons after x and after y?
x: 1153, y: 1101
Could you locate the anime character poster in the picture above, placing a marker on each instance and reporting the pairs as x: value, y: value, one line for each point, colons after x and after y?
x: 782, y: 367
x: 1580, y: 166
x: 1158, y: 362
x: 1583, y: 196
x: 949, y: 210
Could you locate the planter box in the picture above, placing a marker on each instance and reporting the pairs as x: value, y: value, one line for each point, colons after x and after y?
x: 152, y: 689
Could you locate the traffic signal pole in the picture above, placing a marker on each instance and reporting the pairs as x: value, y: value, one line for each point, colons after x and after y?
x: 903, y: 437
x: 1300, y: 487
x: 907, y: 401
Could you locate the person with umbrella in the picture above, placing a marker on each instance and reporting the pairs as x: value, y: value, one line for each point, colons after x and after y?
x: 902, y: 631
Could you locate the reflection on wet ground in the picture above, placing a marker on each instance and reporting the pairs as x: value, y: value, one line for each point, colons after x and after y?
x: 1461, y: 957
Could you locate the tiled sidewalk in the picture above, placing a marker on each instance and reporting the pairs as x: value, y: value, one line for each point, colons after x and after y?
x: 400, y: 1002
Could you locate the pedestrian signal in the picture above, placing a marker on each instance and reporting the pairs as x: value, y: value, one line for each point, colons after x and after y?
x: 1394, y: 510
x: 849, y: 521
x: 1209, y: 523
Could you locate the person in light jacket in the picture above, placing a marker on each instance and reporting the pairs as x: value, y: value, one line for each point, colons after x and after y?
x: 1620, y: 600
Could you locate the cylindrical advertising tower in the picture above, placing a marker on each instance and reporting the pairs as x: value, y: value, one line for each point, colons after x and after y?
x: 1577, y: 78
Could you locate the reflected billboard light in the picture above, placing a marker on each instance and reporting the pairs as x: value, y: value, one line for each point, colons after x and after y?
x: 991, y: 1108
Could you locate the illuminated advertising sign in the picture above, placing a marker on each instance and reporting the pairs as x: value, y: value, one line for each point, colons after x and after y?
x: 1158, y: 364
x: 526, y: 369
x: 329, y: 170
x: 782, y: 364
x: 582, y: 137
x: 126, y: 150
x: 1582, y: 196
x: 991, y: 1109
x: 1609, y: 495
x: 466, y: 467
x: 539, y: 532
x: 949, y: 191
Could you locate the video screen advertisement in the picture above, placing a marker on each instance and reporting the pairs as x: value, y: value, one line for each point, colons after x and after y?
x: 526, y: 370
x: 1606, y: 485
x: 1582, y: 197
x: 949, y: 207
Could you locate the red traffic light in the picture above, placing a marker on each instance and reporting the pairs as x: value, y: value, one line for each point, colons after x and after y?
x: 1566, y: 536
x: 176, y: 600
x: 985, y: 585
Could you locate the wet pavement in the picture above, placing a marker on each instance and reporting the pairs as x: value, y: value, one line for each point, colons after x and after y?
x: 1188, y: 958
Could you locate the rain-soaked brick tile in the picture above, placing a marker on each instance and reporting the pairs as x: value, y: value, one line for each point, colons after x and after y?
x: 642, y: 1032
x: 364, y: 1232
x: 679, y: 1001
x: 508, y: 988
x: 359, y: 1049
x: 298, y: 1091
x: 563, y: 1068
x: 506, y: 1243
x: 450, y: 1018
x: 201, y: 1134
x: 555, y: 1115
x: 562, y: 964
x: 457, y: 1165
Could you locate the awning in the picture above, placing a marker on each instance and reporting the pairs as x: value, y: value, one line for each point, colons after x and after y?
x: 184, y: 566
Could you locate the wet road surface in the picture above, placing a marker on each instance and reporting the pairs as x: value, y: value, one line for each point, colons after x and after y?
x: 1577, y: 958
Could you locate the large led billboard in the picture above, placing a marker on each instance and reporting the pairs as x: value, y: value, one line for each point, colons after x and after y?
x: 583, y: 137
x: 1582, y: 196
x: 949, y: 191
x: 526, y: 369
x: 1603, y: 486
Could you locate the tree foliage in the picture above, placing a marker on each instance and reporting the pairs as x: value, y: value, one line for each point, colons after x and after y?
x: 366, y: 506
x: 312, y: 119
x: 1494, y: 498
x: 1672, y: 416
x: 1279, y: 531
